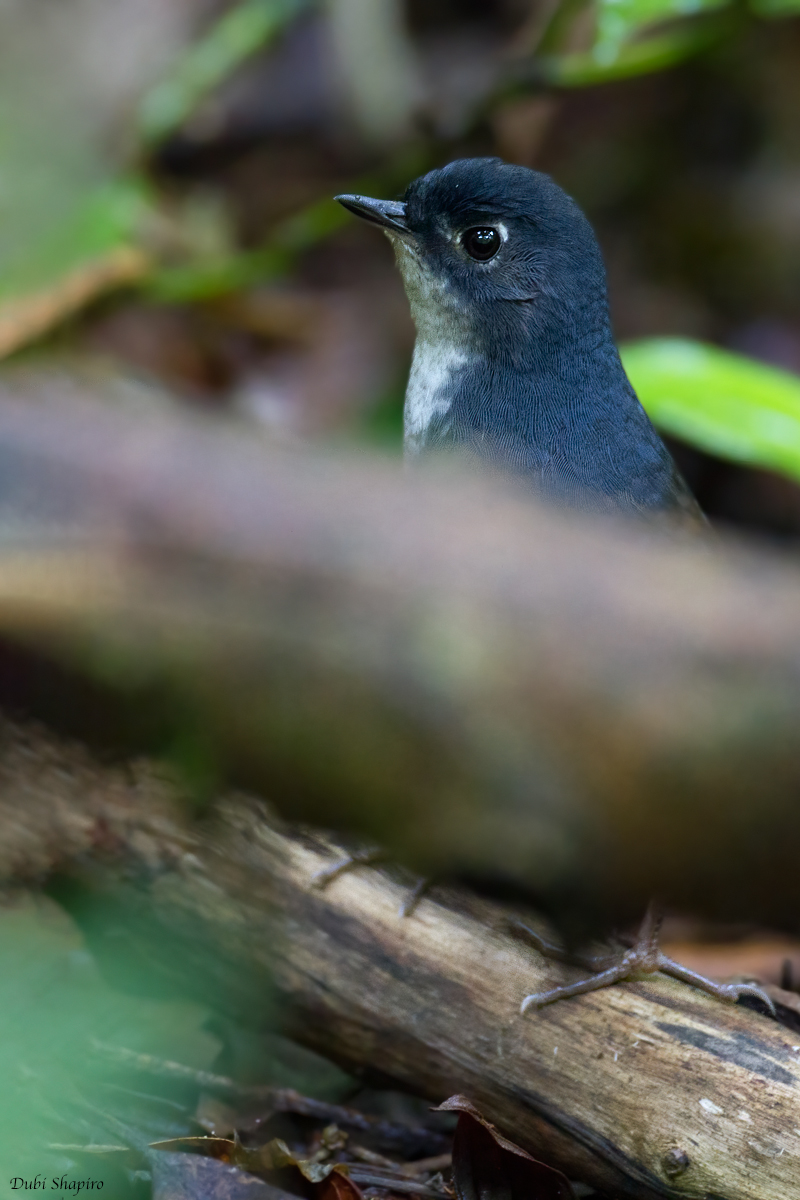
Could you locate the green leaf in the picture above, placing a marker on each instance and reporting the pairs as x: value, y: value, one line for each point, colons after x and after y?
x: 655, y: 53
x: 206, y: 277
x: 69, y: 215
x: 54, y: 1002
x: 723, y: 403
x: 775, y: 8
x: 619, y: 21
x: 93, y: 223
x: 240, y: 33
x: 635, y: 37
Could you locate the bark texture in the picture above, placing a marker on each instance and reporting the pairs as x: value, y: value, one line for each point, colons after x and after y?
x: 649, y: 1089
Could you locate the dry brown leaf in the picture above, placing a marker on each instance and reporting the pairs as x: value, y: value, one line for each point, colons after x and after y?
x: 27, y: 318
x: 487, y: 1166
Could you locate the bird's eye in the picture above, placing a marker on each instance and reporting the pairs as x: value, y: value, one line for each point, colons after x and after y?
x: 481, y: 243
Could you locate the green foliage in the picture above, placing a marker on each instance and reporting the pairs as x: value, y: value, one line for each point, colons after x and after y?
x: 206, y: 276
x: 69, y: 1105
x: 240, y: 33
x: 620, y: 21
x: 610, y: 61
x: 91, y: 223
x: 63, y: 204
x: 636, y: 37
x: 721, y: 402
x: 54, y: 1003
x: 66, y: 207
x: 775, y: 8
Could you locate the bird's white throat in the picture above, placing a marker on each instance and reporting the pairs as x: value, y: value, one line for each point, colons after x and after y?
x: 442, y: 348
x: 429, y: 394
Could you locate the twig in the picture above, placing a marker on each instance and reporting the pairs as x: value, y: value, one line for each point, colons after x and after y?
x: 394, y: 1183
x: 285, y: 1100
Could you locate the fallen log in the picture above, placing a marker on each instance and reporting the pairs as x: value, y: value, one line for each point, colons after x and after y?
x: 650, y: 1089
x: 594, y: 712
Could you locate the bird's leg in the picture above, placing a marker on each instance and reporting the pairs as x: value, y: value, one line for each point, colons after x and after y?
x: 643, y: 957
x: 367, y: 858
x: 723, y: 991
x: 589, y: 962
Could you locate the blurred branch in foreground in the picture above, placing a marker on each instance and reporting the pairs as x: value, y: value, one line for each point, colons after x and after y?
x: 432, y: 1001
x: 597, y: 713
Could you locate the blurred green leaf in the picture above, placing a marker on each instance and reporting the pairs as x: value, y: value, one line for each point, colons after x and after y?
x: 655, y: 53
x: 93, y: 223
x: 721, y: 402
x: 69, y: 216
x: 620, y: 21
x: 632, y: 37
x: 54, y: 1002
x: 90, y: 252
x: 205, y: 277
x: 236, y: 36
x: 775, y: 8
x: 636, y: 37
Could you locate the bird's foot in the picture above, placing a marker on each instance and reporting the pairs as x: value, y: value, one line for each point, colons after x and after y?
x: 368, y: 858
x: 643, y: 957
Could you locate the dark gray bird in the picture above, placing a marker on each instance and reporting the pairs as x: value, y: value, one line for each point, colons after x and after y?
x: 515, y: 361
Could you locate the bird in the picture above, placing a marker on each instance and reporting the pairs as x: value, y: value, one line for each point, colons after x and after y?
x: 515, y: 363
x: 515, y: 366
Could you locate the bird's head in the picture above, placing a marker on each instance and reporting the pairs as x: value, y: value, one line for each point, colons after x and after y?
x: 485, y: 247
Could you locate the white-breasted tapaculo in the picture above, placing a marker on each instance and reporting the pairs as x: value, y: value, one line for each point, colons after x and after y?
x: 515, y: 361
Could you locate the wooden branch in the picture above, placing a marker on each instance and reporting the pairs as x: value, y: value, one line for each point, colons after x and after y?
x: 487, y: 686
x: 647, y: 1089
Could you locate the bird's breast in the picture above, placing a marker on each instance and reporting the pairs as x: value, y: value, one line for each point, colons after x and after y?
x: 432, y: 384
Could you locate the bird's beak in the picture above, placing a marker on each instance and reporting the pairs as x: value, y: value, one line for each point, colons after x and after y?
x: 390, y: 214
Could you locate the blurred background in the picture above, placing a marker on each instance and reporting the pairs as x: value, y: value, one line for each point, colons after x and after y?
x: 166, y: 222
x: 168, y: 238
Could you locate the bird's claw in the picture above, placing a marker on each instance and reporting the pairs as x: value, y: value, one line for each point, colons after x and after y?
x: 644, y: 957
x: 734, y: 992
